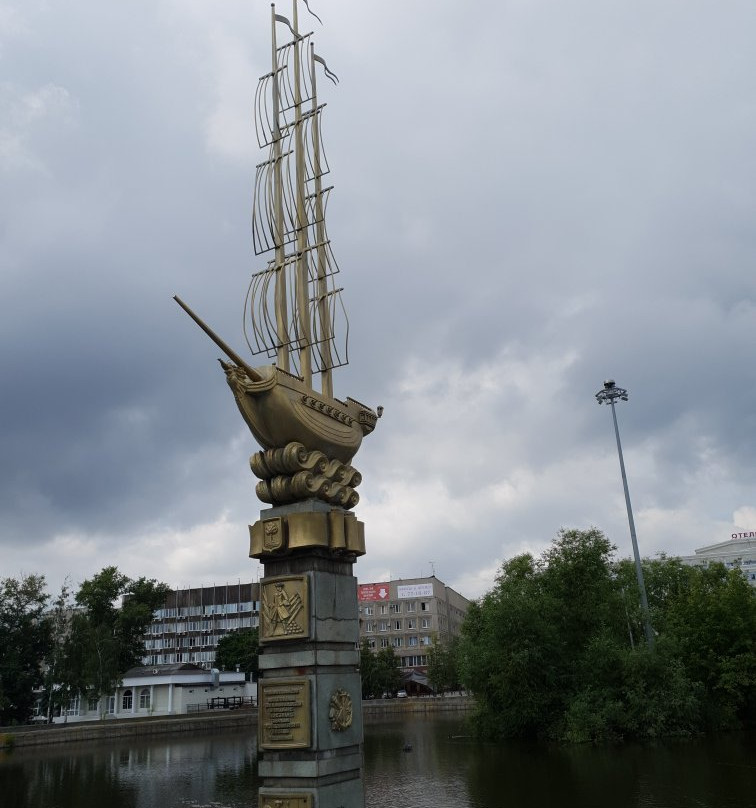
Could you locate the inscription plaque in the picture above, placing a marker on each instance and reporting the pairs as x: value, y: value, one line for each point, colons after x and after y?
x: 286, y: 801
x: 285, y: 721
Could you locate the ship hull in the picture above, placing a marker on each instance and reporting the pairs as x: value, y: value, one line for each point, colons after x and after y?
x: 280, y: 409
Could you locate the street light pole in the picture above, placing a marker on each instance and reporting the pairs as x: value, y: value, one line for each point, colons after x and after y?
x: 609, y: 395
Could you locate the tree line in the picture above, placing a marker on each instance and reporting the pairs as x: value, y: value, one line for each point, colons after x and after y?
x: 556, y: 648
x: 72, y: 645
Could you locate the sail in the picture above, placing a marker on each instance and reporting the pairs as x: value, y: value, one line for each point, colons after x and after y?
x: 293, y: 310
x: 263, y: 204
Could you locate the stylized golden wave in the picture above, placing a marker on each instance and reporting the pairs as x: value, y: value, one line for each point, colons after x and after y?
x: 293, y: 473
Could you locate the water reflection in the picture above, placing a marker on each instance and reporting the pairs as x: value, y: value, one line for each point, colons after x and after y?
x: 443, y: 768
x: 208, y: 769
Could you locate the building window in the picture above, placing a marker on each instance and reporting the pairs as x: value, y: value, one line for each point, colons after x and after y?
x: 144, y: 698
x: 369, y: 627
x: 111, y: 704
x: 395, y: 608
x: 371, y: 644
x: 369, y: 610
x: 382, y: 609
x: 425, y: 641
x: 425, y: 622
x: 396, y: 625
x: 383, y: 625
x: 424, y: 606
x: 412, y: 606
x: 93, y: 705
x: 384, y: 642
x: 127, y: 702
x: 411, y: 623
x: 412, y: 641
x: 396, y: 642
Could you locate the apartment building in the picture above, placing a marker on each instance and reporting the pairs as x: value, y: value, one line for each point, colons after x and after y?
x: 407, y: 614
x: 192, y: 621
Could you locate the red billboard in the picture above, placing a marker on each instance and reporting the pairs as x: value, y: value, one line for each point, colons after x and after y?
x: 367, y: 592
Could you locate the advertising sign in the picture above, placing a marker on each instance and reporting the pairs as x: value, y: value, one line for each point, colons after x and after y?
x: 415, y: 591
x: 368, y: 592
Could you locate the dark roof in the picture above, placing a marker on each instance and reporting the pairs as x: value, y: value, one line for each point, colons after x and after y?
x: 163, y: 670
x: 415, y: 676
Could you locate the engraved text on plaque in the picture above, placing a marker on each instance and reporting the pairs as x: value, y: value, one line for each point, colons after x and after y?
x: 285, y: 714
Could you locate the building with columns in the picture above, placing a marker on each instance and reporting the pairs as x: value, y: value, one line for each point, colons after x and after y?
x: 166, y: 690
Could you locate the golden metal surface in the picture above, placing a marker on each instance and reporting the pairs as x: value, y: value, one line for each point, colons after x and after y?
x: 286, y: 801
x: 337, y: 535
x: 285, y: 608
x: 285, y: 719
x: 307, y: 530
x: 340, y: 531
x: 340, y: 710
x: 355, y: 534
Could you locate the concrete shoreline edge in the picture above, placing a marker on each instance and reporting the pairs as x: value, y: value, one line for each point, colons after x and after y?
x: 28, y: 737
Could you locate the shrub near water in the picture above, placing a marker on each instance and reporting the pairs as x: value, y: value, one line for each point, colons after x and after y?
x: 557, y: 650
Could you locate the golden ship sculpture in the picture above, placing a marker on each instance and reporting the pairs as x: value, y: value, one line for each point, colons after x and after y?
x: 293, y: 309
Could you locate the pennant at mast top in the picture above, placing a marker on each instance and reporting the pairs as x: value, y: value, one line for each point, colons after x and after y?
x: 293, y: 309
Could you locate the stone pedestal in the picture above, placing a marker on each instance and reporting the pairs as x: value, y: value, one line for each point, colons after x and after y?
x: 309, y: 694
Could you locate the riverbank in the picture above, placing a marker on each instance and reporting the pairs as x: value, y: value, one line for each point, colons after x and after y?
x: 108, y: 730
x: 377, y: 708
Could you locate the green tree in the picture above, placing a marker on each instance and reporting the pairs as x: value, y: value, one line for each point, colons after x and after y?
x: 59, y: 618
x: 25, y: 641
x: 556, y: 648
x: 443, y: 665
x: 371, y: 686
x: 240, y: 648
x: 710, y: 615
x: 510, y: 651
x: 388, y: 675
x: 106, y: 636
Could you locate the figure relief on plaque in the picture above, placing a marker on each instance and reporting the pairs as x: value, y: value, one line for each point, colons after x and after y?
x: 340, y: 711
x: 284, y: 613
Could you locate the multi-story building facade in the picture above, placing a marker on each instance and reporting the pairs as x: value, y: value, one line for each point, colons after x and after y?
x: 738, y: 552
x: 192, y: 621
x: 407, y: 614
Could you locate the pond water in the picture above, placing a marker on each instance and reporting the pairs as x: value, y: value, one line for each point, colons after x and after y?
x: 444, y: 769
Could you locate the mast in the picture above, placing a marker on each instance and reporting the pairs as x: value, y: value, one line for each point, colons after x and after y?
x: 324, y: 319
x: 293, y: 304
x: 278, y: 215
x: 303, y: 329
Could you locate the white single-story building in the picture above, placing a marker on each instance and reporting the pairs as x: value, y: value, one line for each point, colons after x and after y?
x: 165, y: 690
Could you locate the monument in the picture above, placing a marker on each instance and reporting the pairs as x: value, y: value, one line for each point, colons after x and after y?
x: 310, y: 717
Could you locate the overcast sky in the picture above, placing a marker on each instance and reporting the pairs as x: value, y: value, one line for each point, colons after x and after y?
x: 531, y: 196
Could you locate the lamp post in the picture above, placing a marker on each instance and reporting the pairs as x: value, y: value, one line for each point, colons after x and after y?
x: 609, y: 395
